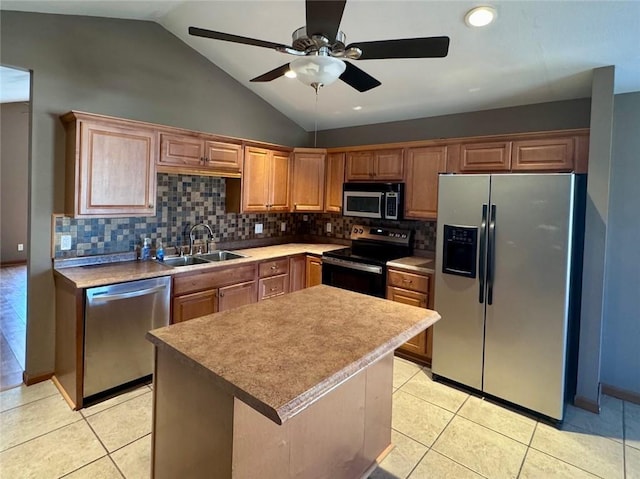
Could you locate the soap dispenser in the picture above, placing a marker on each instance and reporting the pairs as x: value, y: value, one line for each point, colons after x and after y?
x: 146, y: 249
x: 159, y: 250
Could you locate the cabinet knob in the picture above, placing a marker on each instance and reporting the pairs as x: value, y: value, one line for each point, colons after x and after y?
x: 221, y: 294
x: 150, y: 205
x: 273, y: 289
x: 274, y: 267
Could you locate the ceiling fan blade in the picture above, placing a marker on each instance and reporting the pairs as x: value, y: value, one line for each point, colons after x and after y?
x: 358, y: 79
x: 273, y: 74
x: 201, y: 32
x: 430, y: 47
x: 323, y: 17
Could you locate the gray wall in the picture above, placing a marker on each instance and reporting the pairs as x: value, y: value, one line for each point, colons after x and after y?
x: 540, y: 117
x: 596, y: 219
x: 123, y: 68
x: 621, y: 329
x: 14, y: 177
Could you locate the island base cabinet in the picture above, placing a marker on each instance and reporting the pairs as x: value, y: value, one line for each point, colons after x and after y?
x: 202, y: 431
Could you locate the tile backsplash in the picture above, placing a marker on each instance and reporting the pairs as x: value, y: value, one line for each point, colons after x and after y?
x: 185, y: 200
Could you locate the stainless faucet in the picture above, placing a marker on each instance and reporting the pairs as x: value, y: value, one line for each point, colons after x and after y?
x: 192, y: 237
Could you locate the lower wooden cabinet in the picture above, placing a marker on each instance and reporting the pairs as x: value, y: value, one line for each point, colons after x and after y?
x: 194, y: 305
x: 314, y: 271
x: 415, y: 290
x: 297, y: 272
x: 274, y: 278
x: 237, y: 295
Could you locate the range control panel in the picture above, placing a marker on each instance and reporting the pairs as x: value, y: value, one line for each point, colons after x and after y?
x: 383, y: 235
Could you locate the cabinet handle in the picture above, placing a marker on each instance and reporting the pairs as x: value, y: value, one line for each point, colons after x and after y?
x: 221, y: 294
x: 206, y: 159
x: 407, y: 281
x: 273, y: 289
x: 274, y: 267
x: 295, y: 206
x: 150, y: 205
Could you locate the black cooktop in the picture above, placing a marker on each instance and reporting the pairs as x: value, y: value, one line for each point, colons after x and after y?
x: 378, y: 259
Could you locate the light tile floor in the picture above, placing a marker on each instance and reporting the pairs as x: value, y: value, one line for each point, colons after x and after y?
x: 438, y: 432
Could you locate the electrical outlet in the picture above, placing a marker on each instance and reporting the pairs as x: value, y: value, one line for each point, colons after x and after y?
x: 328, y: 227
x: 305, y: 217
x: 20, y: 247
x: 258, y: 228
x: 65, y: 242
x: 283, y: 226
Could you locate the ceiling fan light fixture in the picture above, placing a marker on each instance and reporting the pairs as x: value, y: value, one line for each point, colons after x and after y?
x: 317, y: 69
x: 480, y: 16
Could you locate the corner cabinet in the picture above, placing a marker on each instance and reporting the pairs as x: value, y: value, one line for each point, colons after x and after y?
x: 307, y: 190
x: 415, y: 290
x: 265, y: 180
x: 110, y: 167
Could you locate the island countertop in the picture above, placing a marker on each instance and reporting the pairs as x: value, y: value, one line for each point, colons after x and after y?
x: 280, y: 355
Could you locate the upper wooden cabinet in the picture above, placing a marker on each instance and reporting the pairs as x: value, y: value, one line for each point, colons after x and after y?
x: 375, y: 165
x: 489, y: 156
x: 334, y: 179
x: 421, y: 180
x: 200, y: 154
x: 307, y: 190
x: 265, y: 181
x: 554, y: 151
x: 110, y: 167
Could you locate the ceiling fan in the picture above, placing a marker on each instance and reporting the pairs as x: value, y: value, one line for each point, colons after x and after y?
x: 323, y: 53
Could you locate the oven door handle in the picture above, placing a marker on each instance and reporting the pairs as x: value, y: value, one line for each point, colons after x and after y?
x: 352, y: 265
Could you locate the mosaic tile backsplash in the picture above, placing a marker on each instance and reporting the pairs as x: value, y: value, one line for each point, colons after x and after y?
x: 185, y: 200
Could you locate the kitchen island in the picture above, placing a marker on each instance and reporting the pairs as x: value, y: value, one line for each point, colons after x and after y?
x: 297, y: 386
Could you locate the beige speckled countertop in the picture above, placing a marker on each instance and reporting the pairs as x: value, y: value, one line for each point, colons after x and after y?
x: 416, y: 264
x: 102, y: 274
x: 310, y: 341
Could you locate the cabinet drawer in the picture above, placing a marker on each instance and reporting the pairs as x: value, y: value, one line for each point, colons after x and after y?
x: 415, y: 282
x: 273, y: 286
x: 209, y: 279
x: 271, y: 268
x: 406, y: 296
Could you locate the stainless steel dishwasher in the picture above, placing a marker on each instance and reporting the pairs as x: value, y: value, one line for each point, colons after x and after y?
x: 117, y: 317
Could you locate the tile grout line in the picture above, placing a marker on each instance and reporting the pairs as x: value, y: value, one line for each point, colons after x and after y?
x: 39, y: 436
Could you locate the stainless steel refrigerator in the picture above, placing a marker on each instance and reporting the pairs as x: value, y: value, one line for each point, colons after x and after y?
x: 508, y: 275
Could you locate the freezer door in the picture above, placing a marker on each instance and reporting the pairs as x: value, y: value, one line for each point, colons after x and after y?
x: 526, y: 322
x: 458, y: 337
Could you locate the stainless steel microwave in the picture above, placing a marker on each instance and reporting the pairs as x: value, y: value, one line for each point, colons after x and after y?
x: 382, y: 201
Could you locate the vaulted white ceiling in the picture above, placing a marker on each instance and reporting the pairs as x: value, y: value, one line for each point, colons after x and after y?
x: 535, y: 52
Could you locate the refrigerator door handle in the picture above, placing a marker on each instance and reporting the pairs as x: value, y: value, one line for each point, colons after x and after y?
x: 483, y: 253
x: 491, y: 255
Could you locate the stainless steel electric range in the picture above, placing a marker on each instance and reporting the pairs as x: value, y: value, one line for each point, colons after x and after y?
x: 362, y: 268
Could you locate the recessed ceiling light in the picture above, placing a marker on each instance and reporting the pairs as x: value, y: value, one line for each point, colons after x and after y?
x: 356, y: 108
x: 290, y: 74
x: 480, y: 16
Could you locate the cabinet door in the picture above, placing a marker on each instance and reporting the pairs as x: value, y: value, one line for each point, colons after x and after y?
x: 297, y: 273
x: 255, y: 179
x: 279, y: 182
x: 308, y: 182
x: 360, y: 166
x: 552, y: 154
x: 117, y: 175
x: 194, y: 305
x: 490, y: 156
x: 314, y: 271
x: 388, y: 165
x: 334, y: 179
x: 418, y: 344
x: 237, y: 295
x: 421, y: 183
x: 223, y: 156
x: 178, y: 150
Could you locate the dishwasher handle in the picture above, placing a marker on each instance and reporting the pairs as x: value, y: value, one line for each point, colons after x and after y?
x: 104, y: 296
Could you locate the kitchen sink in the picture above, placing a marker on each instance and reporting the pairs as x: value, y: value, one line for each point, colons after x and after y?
x: 220, y: 256
x: 184, y: 261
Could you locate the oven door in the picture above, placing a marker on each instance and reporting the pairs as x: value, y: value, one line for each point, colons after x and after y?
x: 361, y: 278
x: 363, y: 204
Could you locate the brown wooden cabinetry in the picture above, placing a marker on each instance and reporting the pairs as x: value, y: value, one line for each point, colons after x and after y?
x: 314, y: 271
x: 198, y: 153
x: 297, y: 272
x: 265, y: 181
x: 485, y: 156
x: 375, y: 165
x: 208, y: 291
x: 334, y: 179
x: 415, y: 290
x: 307, y: 190
x: 545, y: 154
x: 421, y: 181
x: 110, y: 167
x: 274, y: 278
